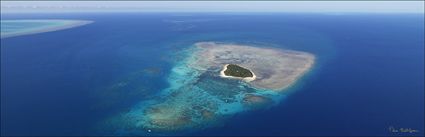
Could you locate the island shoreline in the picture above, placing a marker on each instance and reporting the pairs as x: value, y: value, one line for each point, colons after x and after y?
x: 246, y: 79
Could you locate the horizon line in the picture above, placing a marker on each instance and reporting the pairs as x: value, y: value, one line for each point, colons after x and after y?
x: 214, y: 6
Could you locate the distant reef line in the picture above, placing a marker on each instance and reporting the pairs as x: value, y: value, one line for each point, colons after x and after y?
x: 45, y: 26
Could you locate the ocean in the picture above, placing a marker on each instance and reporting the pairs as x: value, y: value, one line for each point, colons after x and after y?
x: 368, y: 77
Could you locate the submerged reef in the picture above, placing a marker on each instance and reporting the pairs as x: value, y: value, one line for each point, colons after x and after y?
x: 199, y: 97
x: 13, y: 28
x: 274, y: 69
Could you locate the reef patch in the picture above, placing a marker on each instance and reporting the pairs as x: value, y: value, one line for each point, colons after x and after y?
x: 199, y: 97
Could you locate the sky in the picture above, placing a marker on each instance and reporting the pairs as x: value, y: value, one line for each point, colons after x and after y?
x: 214, y: 6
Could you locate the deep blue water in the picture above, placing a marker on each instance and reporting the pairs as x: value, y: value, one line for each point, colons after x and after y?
x: 369, y: 75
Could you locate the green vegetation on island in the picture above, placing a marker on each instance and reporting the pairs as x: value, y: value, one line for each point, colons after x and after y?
x: 237, y: 71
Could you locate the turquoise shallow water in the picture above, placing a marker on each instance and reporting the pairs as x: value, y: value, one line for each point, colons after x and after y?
x: 368, y: 74
x: 193, y: 100
x: 10, y: 28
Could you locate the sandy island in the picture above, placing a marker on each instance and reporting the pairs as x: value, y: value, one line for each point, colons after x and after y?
x: 246, y: 79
